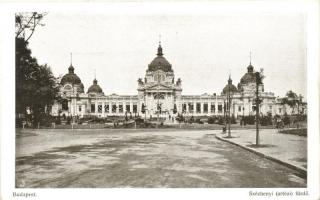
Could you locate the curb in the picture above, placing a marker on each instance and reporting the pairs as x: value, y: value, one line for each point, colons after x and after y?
x: 302, y: 171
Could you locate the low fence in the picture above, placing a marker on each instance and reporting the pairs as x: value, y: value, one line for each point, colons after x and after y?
x: 152, y: 126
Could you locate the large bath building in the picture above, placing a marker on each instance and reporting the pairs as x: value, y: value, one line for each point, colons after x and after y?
x: 160, y: 93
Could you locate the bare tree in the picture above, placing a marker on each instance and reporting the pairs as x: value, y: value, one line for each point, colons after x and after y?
x: 26, y: 24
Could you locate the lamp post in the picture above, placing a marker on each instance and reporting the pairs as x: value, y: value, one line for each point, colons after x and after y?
x: 299, y: 101
x: 257, y: 110
x: 158, y: 98
x: 259, y: 78
x: 224, y: 111
x: 229, y: 106
x: 242, y: 98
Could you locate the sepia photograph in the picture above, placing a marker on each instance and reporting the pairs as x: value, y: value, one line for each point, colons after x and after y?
x: 162, y: 99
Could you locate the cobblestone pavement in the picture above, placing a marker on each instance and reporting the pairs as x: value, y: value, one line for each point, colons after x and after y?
x: 136, y: 158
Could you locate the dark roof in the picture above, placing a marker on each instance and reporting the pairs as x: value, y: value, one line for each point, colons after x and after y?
x: 81, y: 88
x: 71, y: 77
x: 233, y: 88
x: 160, y: 62
x: 95, y: 88
x: 248, y: 77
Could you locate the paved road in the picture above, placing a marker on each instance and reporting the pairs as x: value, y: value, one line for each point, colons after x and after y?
x: 106, y: 158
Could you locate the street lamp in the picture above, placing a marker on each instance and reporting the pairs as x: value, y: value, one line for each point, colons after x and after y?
x: 229, y: 107
x: 158, y: 98
x: 242, y: 98
x: 259, y: 77
x: 224, y: 112
x: 299, y: 102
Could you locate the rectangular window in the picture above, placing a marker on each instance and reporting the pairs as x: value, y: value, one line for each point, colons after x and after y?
x: 128, y: 107
x: 93, y: 108
x: 205, y: 108
x: 135, y: 108
x: 106, y: 108
x: 99, y: 108
x: 120, y: 108
x: 198, y: 108
x: 184, y: 107
x: 114, y: 108
x: 79, y: 108
x: 239, y: 108
x: 213, y: 108
x: 65, y: 105
x: 279, y: 110
x: 190, y: 107
x: 220, y: 108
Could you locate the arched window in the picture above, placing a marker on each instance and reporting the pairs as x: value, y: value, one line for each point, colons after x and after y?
x: 159, y: 77
x: 67, y: 87
x: 158, y: 96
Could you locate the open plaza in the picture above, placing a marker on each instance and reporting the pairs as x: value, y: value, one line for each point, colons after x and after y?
x: 174, y: 158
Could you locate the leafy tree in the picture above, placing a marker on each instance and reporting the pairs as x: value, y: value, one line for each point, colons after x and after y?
x: 291, y: 99
x: 26, y: 24
x: 180, y: 118
x: 36, y: 86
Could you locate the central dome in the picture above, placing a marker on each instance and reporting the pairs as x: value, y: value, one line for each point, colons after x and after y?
x: 160, y: 62
x: 248, y: 77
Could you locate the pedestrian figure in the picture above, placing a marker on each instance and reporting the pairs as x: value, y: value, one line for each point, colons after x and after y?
x: 280, y: 124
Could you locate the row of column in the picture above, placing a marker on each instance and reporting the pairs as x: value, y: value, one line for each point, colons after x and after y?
x: 202, y: 107
x: 124, y: 104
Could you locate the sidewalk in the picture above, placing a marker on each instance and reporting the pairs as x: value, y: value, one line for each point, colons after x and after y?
x: 289, y: 150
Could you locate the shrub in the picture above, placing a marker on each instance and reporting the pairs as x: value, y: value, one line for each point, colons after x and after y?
x: 220, y: 120
x: 286, y: 120
x: 265, y: 120
x: 180, y: 118
x: 232, y: 118
x: 191, y: 120
x: 211, y: 120
x: 139, y: 121
x: 249, y: 120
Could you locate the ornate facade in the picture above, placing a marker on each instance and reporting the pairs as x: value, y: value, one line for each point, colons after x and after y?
x: 159, y: 94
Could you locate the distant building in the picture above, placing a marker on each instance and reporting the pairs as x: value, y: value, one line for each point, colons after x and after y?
x: 159, y: 94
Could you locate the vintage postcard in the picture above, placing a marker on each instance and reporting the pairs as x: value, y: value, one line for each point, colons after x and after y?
x: 217, y: 99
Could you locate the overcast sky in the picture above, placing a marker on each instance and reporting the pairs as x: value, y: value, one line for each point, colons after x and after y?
x: 201, y: 48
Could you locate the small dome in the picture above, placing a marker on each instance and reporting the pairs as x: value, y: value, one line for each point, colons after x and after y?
x: 233, y: 88
x: 71, y: 77
x: 95, y: 88
x: 159, y: 62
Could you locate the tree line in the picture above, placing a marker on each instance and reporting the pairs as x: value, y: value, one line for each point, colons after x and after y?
x: 36, y: 86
